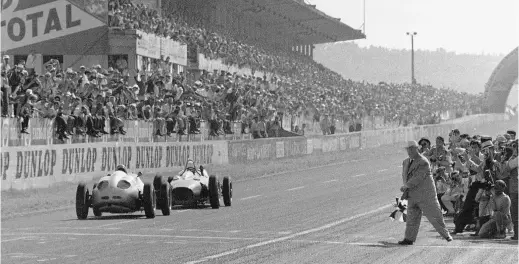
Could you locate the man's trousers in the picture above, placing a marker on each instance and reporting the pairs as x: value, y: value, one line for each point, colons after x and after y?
x: 431, y: 210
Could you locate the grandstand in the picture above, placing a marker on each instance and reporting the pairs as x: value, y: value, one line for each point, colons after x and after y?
x: 201, y: 68
x: 284, y: 24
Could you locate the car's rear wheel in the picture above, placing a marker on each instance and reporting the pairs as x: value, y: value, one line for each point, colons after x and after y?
x: 157, y: 181
x: 149, y: 200
x: 165, y: 198
x: 227, y: 191
x: 82, y: 201
x: 214, y: 195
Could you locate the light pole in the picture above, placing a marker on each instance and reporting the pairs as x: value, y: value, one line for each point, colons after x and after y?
x: 412, y: 34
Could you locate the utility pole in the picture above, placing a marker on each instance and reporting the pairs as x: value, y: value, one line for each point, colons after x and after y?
x: 364, y: 18
x: 412, y: 34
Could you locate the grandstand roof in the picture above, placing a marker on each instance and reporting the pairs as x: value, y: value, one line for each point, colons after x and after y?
x: 298, y: 20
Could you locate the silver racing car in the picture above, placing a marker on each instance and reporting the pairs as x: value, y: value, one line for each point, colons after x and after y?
x: 194, y: 187
x: 121, y: 192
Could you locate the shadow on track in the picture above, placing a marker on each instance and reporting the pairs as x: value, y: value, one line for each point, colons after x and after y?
x: 109, y: 217
x: 385, y: 244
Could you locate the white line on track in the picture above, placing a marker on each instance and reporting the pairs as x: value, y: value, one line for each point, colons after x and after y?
x: 134, y: 235
x: 329, y: 181
x: 301, y: 170
x: 382, y: 170
x: 358, y: 175
x: 86, y: 228
x: 111, y: 224
x: 13, y: 239
x: 296, y: 188
x: 268, y: 242
x: 204, y: 230
x: 250, y: 197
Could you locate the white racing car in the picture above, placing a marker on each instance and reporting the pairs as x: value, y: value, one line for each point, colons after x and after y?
x: 194, y: 187
x: 120, y: 192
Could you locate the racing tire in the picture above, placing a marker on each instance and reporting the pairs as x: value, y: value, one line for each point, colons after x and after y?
x: 97, y: 213
x: 157, y: 182
x: 149, y: 198
x: 82, y: 201
x: 227, y: 191
x: 214, y: 194
x: 165, y: 198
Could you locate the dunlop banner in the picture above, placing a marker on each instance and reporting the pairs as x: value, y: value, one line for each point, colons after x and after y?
x: 42, y: 166
x: 264, y: 149
x: 340, y: 142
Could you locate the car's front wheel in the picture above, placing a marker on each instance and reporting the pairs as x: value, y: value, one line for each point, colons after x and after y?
x: 82, y: 201
x: 149, y: 200
x: 227, y: 191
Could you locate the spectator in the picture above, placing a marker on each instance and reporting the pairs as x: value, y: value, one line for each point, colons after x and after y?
x: 298, y: 86
x: 501, y: 217
x: 452, y: 194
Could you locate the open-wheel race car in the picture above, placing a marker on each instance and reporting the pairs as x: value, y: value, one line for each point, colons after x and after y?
x: 120, y: 192
x: 194, y: 188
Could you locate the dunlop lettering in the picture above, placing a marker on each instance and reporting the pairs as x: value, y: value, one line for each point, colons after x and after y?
x: 295, y: 148
x: 176, y: 156
x: 148, y: 157
x: 78, y: 160
x: 259, y: 152
x: 35, y: 163
x: 4, y: 164
x: 113, y: 156
x: 203, y: 154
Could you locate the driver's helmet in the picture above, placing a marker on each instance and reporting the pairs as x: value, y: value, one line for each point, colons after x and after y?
x: 190, y: 165
x: 121, y: 167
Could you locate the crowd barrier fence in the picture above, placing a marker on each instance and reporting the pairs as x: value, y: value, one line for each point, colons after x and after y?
x: 43, y: 165
x: 42, y: 131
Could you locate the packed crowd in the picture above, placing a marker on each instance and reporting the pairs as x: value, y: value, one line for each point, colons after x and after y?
x: 305, y: 84
x: 476, y: 181
x: 81, y: 100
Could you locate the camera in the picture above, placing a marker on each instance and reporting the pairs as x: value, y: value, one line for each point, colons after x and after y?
x: 489, y: 179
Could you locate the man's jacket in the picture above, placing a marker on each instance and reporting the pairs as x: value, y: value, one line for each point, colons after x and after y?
x: 418, y: 178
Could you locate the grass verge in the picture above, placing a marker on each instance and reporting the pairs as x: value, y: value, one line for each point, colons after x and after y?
x: 62, y: 195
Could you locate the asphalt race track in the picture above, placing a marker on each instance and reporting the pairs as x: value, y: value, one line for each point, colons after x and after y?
x: 333, y: 214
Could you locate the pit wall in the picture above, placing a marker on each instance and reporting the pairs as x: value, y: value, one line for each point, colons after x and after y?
x: 40, y: 166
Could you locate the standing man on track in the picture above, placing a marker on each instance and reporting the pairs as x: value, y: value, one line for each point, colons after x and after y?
x: 420, y: 191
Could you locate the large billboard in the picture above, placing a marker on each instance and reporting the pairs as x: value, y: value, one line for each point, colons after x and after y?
x: 56, y: 26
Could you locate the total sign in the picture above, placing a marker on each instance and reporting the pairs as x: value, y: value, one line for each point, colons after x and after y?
x: 26, y: 22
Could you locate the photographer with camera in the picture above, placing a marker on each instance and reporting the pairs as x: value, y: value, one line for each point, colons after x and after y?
x: 508, y: 173
x: 500, y: 218
x: 439, y: 155
x: 477, y: 163
x: 441, y: 186
x: 455, y: 189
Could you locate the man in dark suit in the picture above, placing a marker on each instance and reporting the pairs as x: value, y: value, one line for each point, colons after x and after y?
x: 420, y: 192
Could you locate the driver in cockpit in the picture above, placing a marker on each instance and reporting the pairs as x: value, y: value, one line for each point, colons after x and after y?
x: 190, y: 166
x: 121, y: 167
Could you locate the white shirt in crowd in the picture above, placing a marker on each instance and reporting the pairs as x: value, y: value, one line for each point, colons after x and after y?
x: 34, y: 61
